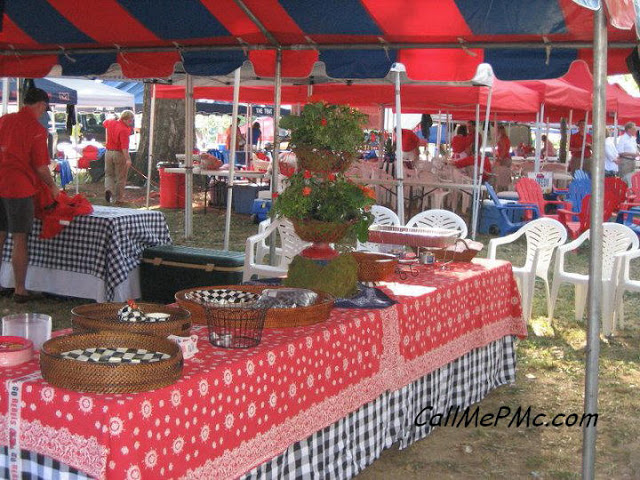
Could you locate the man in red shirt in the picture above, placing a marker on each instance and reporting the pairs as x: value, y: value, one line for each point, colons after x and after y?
x: 24, y: 165
x: 117, y: 159
x: 410, y: 150
x: 575, y: 147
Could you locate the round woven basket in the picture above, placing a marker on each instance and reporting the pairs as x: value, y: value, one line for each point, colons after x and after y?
x: 317, y: 231
x: 318, y: 160
x: 276, y: 317
x: 109, y: 377
x: 462, y: 251
x: 95, y: 317
x: 375, y: 267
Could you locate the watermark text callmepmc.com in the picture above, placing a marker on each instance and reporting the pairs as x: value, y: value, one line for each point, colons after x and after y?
x: 472, y: 417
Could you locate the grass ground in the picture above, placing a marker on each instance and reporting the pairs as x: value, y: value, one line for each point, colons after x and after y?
x: 550, y: 379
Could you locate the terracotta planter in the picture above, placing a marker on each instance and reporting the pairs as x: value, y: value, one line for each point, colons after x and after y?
x: 321, y: 234
x: 318, y: 160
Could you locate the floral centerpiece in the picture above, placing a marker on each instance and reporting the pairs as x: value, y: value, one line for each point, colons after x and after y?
x: 322, y: 203
x: 325, y: 137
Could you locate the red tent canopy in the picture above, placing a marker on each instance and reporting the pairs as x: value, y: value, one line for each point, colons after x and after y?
x: 435, y: 39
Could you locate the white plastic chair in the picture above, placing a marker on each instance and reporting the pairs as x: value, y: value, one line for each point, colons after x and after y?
x: 625, y: 284
x: 543, y: 236
x: 382, y: 216
x: 437, y: 218
x: 290, y: 246
x: 262, y: 249
x: 616, y: 239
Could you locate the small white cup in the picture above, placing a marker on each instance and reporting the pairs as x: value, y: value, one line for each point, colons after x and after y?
x: 34, y: 326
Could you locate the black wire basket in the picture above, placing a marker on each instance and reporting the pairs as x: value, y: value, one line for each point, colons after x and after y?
x: 234, y: 325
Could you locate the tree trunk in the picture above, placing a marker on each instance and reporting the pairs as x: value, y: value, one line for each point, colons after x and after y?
x: 562, y: 154
x: 168, y: 134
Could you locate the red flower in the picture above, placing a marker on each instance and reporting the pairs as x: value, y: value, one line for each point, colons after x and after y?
x: 306, y: 191
x: 332, y: 177
x: 274, y: 195
x: 323, y: 122
x: 306, y: 174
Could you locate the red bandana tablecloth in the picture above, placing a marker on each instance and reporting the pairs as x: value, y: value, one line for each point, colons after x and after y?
x: 233, y: 410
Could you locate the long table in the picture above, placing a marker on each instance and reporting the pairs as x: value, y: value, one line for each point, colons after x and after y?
x: 96, y: 256
x: 278, y: 407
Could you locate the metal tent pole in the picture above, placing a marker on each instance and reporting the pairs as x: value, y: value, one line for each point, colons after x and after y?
x: 275, y: 165
x: 474, y: 204
x: 476, y: 191
x: 538, y: 144
x: 188, y: 151
x: 5, y: 95
x: 595, y: 265
x: 232, y: 157
x: 152, y: 121
x: 398, y: 162
x: 436, y: 153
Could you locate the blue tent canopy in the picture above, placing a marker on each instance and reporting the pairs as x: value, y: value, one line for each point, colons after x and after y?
x: 58, y: 94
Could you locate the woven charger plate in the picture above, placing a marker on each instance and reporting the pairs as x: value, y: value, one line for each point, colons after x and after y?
x: 103, y: 377
x: 276, y: 317
x: 95, y: 317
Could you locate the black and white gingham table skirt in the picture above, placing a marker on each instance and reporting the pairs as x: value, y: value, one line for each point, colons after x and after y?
x: 107, y: 244
x: 347, y: 447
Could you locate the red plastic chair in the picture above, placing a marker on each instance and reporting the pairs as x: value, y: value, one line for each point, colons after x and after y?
x: 633, y: 194
x: 89, y: 153
x: 577, y: 228
x: 529, y: 192
x: 617, y: 188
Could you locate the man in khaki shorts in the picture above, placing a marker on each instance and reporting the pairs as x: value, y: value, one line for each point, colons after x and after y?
x: 117, y: 159
x: 628, y: 151
x: 24, y: 166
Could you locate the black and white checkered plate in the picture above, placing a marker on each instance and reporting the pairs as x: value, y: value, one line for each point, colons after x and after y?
x: 115, y: 355
x: 222, y: 296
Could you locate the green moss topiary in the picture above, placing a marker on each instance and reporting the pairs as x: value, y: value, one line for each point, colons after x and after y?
x: 338, y: 278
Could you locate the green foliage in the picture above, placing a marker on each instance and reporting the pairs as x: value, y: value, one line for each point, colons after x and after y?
x: 338, y: 278
x: 324, y: 126
x: 327, y: 198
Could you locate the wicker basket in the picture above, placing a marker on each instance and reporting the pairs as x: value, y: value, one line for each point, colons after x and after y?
x: 318, y: 231
x: 375, y: 267
x: 109, y: 377
x: 276, y: 317
x: 462, y: 251
x: 96, y: 317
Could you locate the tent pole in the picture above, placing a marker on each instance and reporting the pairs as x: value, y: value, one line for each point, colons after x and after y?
x: 474, y: 204
x: 584, y: 139
x: 615, y: 128
x: 595, y: 264
x: 188, y: 153
x: 485, y: 134
x: 275, y: 165
x: 540, y: 119
x: 152, y: 121
x: 399, y: 164
x: 381, y: 135
x: 5, y: 95
x: 232, y: 156
x: 436, y: 153
x: 248, y: 144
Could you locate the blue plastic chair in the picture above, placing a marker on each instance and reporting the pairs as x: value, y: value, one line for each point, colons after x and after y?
x: 578, y: 189
x: 506, y: 211
x: 627, y: 217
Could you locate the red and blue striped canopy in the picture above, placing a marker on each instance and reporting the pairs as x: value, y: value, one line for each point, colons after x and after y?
x: 435, y: 39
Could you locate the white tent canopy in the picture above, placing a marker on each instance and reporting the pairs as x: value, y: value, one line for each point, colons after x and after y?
x: 95, y: 94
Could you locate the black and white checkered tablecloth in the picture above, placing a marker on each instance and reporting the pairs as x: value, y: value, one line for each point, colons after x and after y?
x: 347, y: 447
x: 107, y: 244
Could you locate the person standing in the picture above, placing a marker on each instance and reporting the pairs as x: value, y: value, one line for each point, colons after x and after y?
x: 611, y: 158
x: 503, y: 160
x: 117, y: 159
x: 575, y: 147
x: 628, y: 151
x: 24, y: 166
x: 410, y: 148
x: 547, y: 150
x: 256, y: 133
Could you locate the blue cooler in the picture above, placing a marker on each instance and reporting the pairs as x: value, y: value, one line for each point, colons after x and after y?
x: 244, y: 195
x: 260, y: 209
x: 490, y: 218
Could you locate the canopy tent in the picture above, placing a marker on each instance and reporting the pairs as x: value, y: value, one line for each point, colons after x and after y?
x: 354, y: 38
x: 618, y: 101
x: 93, y: 94
x: 58, y: 94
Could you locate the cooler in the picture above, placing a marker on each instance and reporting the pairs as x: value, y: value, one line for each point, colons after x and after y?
x: 260, y: 208
x: 490, y: 218
x: 244, y: 195
x: 171, y: 189
x: 167, y: 269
